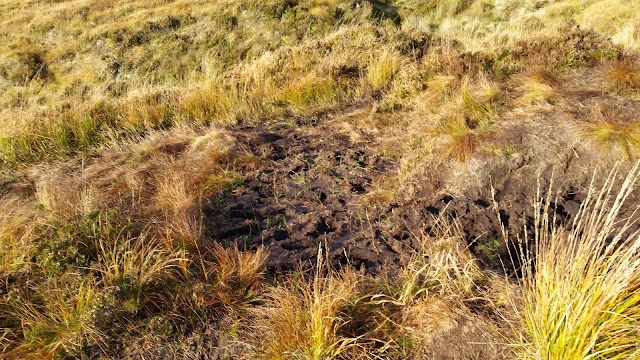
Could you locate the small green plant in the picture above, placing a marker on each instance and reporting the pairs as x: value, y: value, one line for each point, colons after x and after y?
x: 66, y: 245
x: 488, y: 248
x: 278, y: 222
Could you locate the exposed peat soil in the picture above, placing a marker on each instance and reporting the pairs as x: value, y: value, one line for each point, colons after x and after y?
x: 317, y: 187
x: 309, y: 193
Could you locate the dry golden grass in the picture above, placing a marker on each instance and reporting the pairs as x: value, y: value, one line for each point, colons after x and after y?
x: 177, y: 198
x: 60, y: 228
x: 133, y: 98
x: 441, y: 83
x: 493, y: 25
x: 226, y: 279
x: 612, y: 132
x: 580, y: 282
x: 443, y: 265
x: 302, y: 318
x: 237, y: 273
x: 535, y: 91
x: 537, y: 87
x: 62, y: 326
x: 469, y: 119
x: 464, y: 142
x: 624, y: 73
x: 115, y: 79
x: 129, y: 84
x: 132, y: 264
x: 432, y: 297
x: 16, y: 228
x: 382, y: 68
x: 62, y: 198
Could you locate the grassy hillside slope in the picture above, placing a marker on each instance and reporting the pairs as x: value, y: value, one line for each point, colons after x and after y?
x: 318, y: 179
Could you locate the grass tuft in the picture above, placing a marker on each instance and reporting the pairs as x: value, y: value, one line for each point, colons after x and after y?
x: 382, y: 68
x: 442, y: 265
x: 624, y: 74
x: 62, y: 326
x: 613, y: 132
x: 538, y: 87
x: 237, y: 273
x: 132, y: 265
x: 16, y: 230
x: 580, y: 282
x: 302, y: 319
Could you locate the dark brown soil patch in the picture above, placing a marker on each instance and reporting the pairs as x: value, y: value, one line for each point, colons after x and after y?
x: 308, y: 193
x: 312, y: 189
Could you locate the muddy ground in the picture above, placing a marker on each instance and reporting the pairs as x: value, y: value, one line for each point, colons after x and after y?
x: 319, y: 187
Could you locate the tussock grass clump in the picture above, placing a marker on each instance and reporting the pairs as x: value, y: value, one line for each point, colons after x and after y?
x: 16, y: 231
x: 307, y: 91
x: 613, y: 132
x: 63, y: 325
x: 441, y: 83
x: 222, y: 281
x: 302, y: 318
x: 467, y: 116
x: 537, y: 87
x: 131, y: 265
x: 177, y: 201
x: 466, y: 130
x: 580, y: 282
x: 134, y: 234
x: 535, y: 91
x: 624, y: 74
x: 480, y: 98
x: 430, y: 301
x: 81, y: 293
x: 443, y: 265
x: 464, y: 141
x: 237, y: 273
x: 626, y: 137
x: 382, y: 68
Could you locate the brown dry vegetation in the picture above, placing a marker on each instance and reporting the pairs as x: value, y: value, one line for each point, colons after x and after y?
x: 318, y: 179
